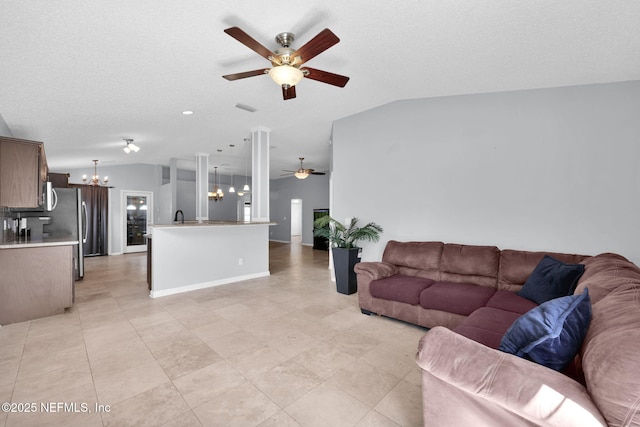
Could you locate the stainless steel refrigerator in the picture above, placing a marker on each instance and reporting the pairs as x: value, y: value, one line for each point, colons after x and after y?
x: 69, y: 216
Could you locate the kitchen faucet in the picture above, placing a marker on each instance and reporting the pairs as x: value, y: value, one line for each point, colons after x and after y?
x: 175, y: 218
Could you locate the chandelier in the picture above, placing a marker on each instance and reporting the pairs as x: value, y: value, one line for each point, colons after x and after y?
x: 216, y: 193
x: 95, y: 179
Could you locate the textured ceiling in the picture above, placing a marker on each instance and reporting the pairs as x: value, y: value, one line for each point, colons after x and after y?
x: 82, y: 75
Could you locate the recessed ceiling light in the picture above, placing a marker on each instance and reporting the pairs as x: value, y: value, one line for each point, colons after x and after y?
x: 187, y: 112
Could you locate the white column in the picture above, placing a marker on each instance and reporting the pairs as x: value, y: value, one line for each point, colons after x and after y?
x: 202, y: 186
x: 260, y: 173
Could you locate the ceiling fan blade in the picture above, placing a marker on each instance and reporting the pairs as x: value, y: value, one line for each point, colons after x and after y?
x: 289, y: 93
x: 249, y: 42
x: 285, y: 170
x: 326, y: 77
x: 321, y: 42
x: 238, y: 76
x: 318, y: 173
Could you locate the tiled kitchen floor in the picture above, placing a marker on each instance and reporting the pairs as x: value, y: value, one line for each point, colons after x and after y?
x: 285, y: 350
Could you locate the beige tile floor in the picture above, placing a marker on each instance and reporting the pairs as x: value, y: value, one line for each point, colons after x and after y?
x: 285, y: 350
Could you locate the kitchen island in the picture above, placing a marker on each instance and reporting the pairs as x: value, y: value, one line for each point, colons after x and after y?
x: 201, y: 254
x: 37, y: 277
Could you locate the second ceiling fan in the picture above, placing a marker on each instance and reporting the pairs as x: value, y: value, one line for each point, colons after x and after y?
x: 301, y: 173
x: 287, y: 63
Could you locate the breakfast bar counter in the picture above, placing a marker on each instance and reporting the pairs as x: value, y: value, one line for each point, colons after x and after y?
x: 200, y: 254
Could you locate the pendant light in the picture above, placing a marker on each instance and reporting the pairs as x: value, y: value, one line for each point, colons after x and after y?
x: 246, y: 184
x: 232, y: 189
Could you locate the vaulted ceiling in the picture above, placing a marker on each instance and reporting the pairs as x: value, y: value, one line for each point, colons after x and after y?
x: 82, y: 75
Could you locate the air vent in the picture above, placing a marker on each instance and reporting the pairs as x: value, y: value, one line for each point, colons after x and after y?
x: 246, y: 108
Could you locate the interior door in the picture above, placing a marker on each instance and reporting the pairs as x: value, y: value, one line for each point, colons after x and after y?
x: 138, y: 212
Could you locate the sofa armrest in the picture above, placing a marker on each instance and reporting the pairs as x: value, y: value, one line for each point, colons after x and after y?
x: 377, y: 270
x: 496, y: 383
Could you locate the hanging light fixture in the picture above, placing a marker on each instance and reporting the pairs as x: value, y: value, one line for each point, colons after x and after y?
x: 95, y: 179
x: 232, y: 189
x: 216, y: 193
x: 246, y: 184
x: 285, y: 75
x: 130, y: 146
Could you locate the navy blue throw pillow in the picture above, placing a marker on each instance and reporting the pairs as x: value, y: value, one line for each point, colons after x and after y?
x: 551, y: 279
x: 552, y: 333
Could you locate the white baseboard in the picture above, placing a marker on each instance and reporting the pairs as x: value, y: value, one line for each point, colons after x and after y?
x: 196, y: 286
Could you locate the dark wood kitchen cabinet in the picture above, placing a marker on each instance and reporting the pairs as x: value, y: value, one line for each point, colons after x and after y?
x: 23, y: 169
x: 36, y: 281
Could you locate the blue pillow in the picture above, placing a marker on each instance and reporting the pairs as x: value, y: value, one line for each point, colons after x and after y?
x: 551, y: 279
x: 552, y: 333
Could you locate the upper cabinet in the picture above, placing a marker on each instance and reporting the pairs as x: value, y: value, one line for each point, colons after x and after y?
x: 23, y: 169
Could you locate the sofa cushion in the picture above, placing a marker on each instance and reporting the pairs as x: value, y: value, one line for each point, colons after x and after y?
x: 470, y: 264
x: 516, y: 266
x: 400, y: 288
x: 487, y: 325
x: 458, y: 298
x: 551, y: 279
x: 416, y: 255
x: 552, y: 333
x: 510, y: 301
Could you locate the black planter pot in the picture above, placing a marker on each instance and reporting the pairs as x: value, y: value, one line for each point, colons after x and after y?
x: 343, y: 262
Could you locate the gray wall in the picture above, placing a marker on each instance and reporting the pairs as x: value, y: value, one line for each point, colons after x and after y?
x: 314, y: 192
x: 138, y: 177
x: 223, y: 210
x: 4, y: 128
x: 552, y: 169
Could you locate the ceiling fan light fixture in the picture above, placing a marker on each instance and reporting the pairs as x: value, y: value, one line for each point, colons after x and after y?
x: 286, y: 75
x: 301, y: 175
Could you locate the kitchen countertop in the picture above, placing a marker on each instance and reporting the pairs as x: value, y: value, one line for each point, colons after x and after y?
x: 41, y: 241
x: 210, y: 224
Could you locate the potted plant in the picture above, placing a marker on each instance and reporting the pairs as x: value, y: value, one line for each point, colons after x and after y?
x: 343, y: 241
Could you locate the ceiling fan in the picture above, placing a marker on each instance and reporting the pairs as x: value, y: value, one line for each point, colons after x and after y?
x: 287, y: 63
x: 301, y: 173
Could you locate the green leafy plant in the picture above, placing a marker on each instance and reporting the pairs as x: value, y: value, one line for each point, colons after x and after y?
x: 341, y: 236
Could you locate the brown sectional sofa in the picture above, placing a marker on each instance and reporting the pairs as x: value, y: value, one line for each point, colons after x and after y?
x: 466, y: 294
x: 469, y: 289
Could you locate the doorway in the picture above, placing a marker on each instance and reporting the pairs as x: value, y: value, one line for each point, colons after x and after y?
x: 244, y: 211
x: 296, y: 220
x: 137, y: 214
